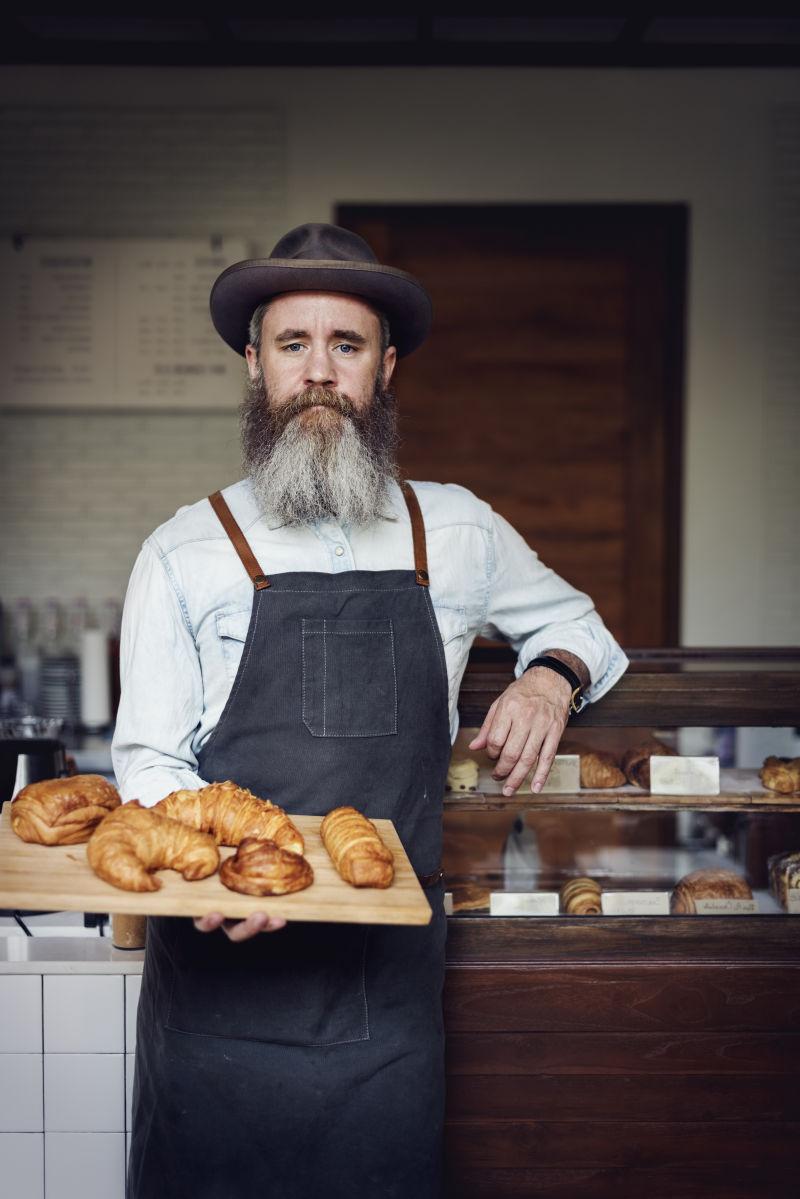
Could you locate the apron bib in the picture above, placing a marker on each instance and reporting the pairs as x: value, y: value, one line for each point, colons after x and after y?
x: 310, y: 1061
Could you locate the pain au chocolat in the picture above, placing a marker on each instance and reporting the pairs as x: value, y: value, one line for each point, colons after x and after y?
x: 707, y: 884
x: 63, y: 811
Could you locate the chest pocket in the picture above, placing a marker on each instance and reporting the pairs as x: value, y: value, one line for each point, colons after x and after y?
x: 349, y: 677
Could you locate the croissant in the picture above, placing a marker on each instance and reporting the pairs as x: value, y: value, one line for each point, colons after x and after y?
x: 781, y: 774
x: 707, y: 884
x: 636, y: 761
x: 599, y: 768
x: 263, y: 868
x: 232, y: 813
x: 355, y: 848
x: 133, y: 841
x: 62, y: 811
x: 581, y: 897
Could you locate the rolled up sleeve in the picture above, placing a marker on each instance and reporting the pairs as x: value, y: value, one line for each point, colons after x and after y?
x: 161, y: 698
x: 534, y: 609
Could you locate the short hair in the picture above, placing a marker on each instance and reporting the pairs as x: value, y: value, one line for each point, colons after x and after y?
x: 257, y: 322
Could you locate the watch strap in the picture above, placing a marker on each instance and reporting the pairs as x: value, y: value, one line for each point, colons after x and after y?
x: 576, y: 701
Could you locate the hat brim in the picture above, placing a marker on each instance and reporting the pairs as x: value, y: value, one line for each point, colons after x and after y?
x: 242, y: 287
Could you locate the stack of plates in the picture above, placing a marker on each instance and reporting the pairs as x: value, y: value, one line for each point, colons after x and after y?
x: 60, y: 688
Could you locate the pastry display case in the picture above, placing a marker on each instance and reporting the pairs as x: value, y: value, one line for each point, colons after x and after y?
x: 622, y: 998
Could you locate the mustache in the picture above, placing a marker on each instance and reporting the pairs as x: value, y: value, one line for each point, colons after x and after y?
x: 313, y: 397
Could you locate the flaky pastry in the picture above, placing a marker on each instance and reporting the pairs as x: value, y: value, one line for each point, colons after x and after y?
x: 636, y: 761
x: 356, y: 849
x: 581, y: 897
x: 263, y: 868
x: 707, y: 884
x: 781, y: 774
x: 230, y: 814
x: 63, y: 811
x: 133, y: 841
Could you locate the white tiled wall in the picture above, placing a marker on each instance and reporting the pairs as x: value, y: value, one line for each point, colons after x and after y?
x: 65, y: 1112
x: 81, y: 491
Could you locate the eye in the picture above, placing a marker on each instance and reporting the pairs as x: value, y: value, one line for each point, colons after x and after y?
x: 346, y: 346
x: 293, y: 345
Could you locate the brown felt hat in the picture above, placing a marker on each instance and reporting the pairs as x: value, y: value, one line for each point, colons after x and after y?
x: 319, y: 257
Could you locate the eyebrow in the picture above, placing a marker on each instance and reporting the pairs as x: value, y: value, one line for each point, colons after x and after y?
x: 345, y: 334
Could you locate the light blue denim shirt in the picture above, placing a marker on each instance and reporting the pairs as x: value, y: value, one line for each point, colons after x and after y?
x: 188, y: 607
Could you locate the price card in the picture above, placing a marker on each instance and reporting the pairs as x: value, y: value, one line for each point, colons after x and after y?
x: 448, y: 903
x: 725, y: 907
x: 635, y: 903
x: 793, y: 901
x: 684, y: 776
x: 565, y: 775
x: 523, y: 903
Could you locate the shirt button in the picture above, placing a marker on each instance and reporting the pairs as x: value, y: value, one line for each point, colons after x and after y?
x: 339, y: 551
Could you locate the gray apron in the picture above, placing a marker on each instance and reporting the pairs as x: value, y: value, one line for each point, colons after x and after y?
x: 309, y: 1062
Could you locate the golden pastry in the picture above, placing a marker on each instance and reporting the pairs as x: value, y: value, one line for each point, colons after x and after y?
x: 356, y: 849
x: 133, y: 841
x: 599, y: 768
x: 636, y: 761
x: 263, y: 868
x: 63, y: 811
x: 581, y: 897
x: 232, y: 813
x: 781, y: 774
x: 707, y: 884
x: 784, y: 876
x: 462, y: 775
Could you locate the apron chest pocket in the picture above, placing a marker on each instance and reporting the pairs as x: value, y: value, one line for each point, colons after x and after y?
x: 349, y: 677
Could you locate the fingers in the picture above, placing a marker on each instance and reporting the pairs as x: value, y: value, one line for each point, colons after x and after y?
x: 239, y: 930
x: 546, y: 755
x: 526, y: 759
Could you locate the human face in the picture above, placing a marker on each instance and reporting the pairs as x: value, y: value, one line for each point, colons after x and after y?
x: 321, y: 339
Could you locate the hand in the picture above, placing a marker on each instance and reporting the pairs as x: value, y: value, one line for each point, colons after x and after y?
x: 239, y: 930
x: 524, y: 726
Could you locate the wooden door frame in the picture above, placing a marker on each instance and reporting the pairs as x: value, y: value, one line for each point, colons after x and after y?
x: 654, y: 239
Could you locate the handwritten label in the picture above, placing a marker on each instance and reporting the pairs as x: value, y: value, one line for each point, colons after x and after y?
x: 523, y: 903
x: 684, y: 776
x: 565, y: 775
x: 725, y: 907
x: 793, y: 901
x: 635, y: 903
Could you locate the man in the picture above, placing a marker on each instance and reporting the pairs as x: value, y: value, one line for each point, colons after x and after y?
x: 305, y: 634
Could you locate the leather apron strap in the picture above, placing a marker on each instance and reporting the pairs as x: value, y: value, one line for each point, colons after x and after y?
x: 260, y: 580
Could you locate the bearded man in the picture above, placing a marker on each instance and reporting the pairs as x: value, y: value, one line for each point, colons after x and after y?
x: 304, y: 633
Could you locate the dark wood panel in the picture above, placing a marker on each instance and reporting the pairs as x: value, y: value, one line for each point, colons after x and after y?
x: 726, y: 1144
x: 609, y: 1053
x: 736, y: 940
x: 634, y: 1097
x: 621, y: 998
x: 761, y: 1182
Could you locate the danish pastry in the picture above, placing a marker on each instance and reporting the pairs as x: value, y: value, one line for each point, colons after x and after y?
x: 232, y: 813
x: 133, y: 841
x: 63, y: 811
x: 263, y: 868
x: 356, y: 849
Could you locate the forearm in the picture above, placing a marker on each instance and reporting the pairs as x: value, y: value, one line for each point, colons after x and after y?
x: 574, y: 662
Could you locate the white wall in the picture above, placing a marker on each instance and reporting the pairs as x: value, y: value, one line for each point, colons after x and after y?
x: 527, y: 135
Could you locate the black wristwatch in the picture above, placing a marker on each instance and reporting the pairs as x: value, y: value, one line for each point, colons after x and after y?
x: 577, y: 701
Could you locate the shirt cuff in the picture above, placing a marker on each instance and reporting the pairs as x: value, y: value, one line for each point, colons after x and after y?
x: 604, y: 658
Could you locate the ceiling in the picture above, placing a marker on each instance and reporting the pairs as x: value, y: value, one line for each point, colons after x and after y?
x: 403, y: 40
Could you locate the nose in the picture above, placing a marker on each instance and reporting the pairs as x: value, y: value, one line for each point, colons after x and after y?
x: 319, y: 368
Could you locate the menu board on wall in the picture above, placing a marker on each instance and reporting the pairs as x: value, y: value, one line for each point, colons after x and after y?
x: 114, y: 324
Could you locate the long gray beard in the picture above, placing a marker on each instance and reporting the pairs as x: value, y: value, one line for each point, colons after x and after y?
x: 338, y: 470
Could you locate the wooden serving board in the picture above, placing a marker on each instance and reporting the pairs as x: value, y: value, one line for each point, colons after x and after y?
x: 59, y: 878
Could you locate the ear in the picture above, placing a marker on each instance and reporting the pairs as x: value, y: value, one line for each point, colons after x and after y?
x: 252, y: 361
x: 389, y: 363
